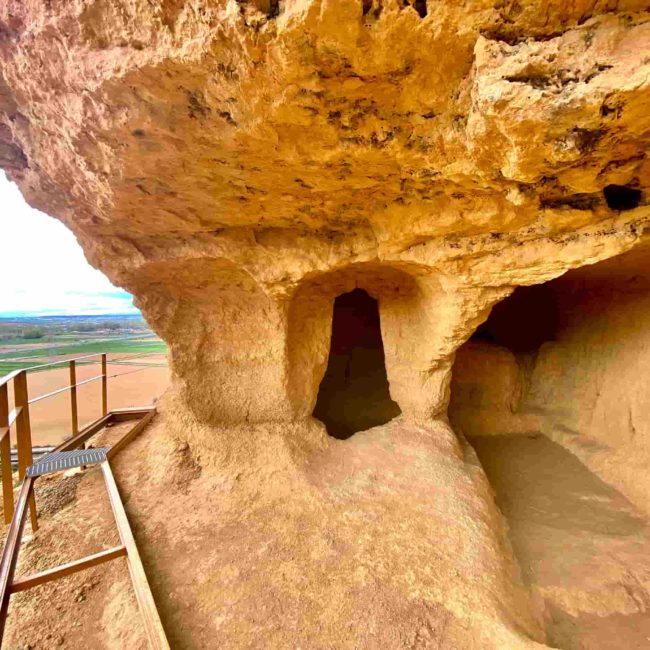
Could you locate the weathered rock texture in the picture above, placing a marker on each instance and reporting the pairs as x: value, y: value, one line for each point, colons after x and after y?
x: 217, y: 161
x: 237, y: 165
x: 577, y: 370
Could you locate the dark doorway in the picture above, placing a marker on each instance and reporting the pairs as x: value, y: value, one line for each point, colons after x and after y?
x: 522, y: 322
x: 353, y: 395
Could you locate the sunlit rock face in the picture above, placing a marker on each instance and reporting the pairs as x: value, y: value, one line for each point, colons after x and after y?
x: 229, y: 162
x: 238, y: 166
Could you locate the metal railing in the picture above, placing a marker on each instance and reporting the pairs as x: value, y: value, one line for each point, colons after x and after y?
x: 19, y: 416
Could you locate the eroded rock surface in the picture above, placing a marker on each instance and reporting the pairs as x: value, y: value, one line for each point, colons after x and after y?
x: 228, y: 153
x: 237, y: 165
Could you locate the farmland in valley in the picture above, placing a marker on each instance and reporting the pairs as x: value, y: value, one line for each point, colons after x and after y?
x: 137, y: 366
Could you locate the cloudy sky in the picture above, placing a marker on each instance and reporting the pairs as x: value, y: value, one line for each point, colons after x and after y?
x: 44, y: 269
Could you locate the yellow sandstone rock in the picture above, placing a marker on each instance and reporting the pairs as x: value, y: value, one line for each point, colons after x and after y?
x: 238, y: 165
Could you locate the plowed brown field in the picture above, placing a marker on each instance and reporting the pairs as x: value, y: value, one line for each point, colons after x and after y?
x: 133, y: 386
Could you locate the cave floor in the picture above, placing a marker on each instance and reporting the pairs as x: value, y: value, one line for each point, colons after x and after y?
x: 386, y: 541
x: 583, y: 549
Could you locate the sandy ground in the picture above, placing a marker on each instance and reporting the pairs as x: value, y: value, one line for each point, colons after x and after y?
x: 359, y: 544
x: 226, y: 572
x: 135, y: 386
x: 583, y: 548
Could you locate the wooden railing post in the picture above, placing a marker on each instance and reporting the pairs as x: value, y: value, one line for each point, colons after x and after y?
x: 73, y: 398
x: 104, y: 386
x: 24, y: 436
x: 11, y: 549
x: 5, y: 456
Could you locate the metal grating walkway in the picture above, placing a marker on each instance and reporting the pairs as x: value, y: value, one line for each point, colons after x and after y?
x: 59, y: 461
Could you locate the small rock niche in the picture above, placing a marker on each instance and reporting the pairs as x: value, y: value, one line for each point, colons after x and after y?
x: 354, y: 393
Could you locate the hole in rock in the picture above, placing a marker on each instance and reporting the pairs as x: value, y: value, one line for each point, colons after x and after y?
x: 521, y: 322
x: 372, y: 8
x: 354, y: 395
x: 274, y: 9
x: 419, y: 5
x: 269, y: 7
x: 622, y: 197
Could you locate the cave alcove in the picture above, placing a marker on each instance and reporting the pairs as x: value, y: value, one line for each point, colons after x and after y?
x: 489, y: 371
x: 354, y: 393
x: 522, y: 322
x: 548, y: 350
x: 551, y: 394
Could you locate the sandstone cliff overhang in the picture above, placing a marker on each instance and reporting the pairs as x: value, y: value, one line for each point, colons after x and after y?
x: 237, y: 165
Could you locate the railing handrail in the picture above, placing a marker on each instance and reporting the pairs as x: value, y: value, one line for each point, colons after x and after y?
x: 20, y: 418
x: 14, y: 373
x: 9, y: 376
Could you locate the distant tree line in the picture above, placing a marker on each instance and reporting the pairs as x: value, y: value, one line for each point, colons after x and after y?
x: 32, y: 333
x: 28, y: 330
x: 110, y: 325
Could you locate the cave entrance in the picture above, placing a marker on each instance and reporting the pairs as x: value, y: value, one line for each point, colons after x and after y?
x: 492, y: 370
x: 551, y: 391
x: 354, y: 395
x: 524, y: 321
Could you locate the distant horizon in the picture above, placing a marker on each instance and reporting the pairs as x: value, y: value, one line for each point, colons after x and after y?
x: 103, y: 315
x: 51, y: 274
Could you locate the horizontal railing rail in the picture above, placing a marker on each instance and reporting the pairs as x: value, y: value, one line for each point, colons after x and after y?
x: 19, y: 415
x: 64, y: 389
x: 5, y: 379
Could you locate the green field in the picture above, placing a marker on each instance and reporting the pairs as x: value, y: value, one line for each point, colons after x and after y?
x: 19, y: 340
x: 114, y: 347
x: 78, y: 336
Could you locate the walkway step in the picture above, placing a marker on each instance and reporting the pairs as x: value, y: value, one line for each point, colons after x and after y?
x: 60, y: 461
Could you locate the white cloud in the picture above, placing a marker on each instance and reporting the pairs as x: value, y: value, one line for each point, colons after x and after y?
x: 44, y: 268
